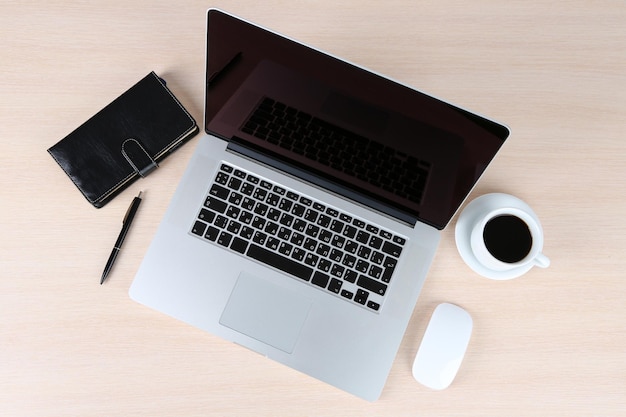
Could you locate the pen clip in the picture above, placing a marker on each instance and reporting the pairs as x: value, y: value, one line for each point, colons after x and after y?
x: 131, y: 207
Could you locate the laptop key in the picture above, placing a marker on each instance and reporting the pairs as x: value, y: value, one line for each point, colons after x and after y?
x: 312, y: 230
x: 311, y: 215
x: 233, y: 212
x: 239, y: 245
x: 337, y: 270
x: 350, y: 276
x: 298, y: 254
x: 246, y: 217
x: 272, y: 228
x: 247, y: 232
x: 392, y: 249
x: 361, y: 265
x: 285, y: 204
x: 206, y: 215
x: 224, y: 238
x: 272, y: 199
x: 298, y: 210
x: 272, y: 243
x: 385, y: 234
x: 234, y: 183
x: 375, y: 242
x: 280, y: 262
x: 362, y: 237
x: 274, y: 214
x: 248, y: 204
x: 371, y: 285
x: 284, y: 233
x: 299, y: 225
x: 324, y: 265
x: 261, y: 209
x: 361, y: 296
x: 219, y: 191
x: 297, y: 239
x: 390, y: 265
x: 345, y: 217
x: 336, y: 226
x: 377, y: 258
x: 374, y: 306
x: 335, y: 285
x: 215, y: 204
x: 310, y: 244
x: 358, y: 223
x: 198, y: 228
x: 285, y: 248
x: 338, y: 241
x: 349, y: 232
x: 311, y: 259
x: 259, y: 237
x: 286, y: 219
x: 221, y: 178
x: 375, y: 271
x: 322, y: 250
x: 347, y: 294
x: 349, y: 261
x: 233, y: 227
x: 247, y: 188
x: 235, y: 198
x: 351, y: 247
x: 212, y: 233
x: 336, y: 255
x: 323, y: 221
x: 320, y: 279
x: 221, y: 222
x: 332, y: 212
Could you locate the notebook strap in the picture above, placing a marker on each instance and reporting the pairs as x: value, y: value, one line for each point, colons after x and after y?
x: 138, y: 157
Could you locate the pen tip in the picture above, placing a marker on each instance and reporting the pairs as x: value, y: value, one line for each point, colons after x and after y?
x: 140, y: 193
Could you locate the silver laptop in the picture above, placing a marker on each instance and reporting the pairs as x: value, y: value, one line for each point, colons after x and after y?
x: 311, y: 210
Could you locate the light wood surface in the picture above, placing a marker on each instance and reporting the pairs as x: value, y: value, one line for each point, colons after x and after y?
x: 551, y: 343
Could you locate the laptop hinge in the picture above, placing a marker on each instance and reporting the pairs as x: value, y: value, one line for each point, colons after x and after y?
x: 275, y: 161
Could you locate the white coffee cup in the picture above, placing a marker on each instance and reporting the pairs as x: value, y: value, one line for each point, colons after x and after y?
x: 506, y: 238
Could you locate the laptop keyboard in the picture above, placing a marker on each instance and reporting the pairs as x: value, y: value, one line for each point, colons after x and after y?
x: 311, y: 241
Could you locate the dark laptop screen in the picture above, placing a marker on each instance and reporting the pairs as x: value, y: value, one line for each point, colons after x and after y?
x: 350, y: 130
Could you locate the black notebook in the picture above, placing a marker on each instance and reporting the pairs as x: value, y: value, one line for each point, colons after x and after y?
x: 124, y: 141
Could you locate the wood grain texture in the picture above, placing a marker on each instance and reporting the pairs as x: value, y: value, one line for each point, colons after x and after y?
x: 549, y: 343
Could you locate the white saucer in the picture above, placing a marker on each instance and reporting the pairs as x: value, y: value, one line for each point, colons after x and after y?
x: 468, y: 217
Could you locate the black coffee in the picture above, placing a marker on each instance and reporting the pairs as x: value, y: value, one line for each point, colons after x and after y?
x: 507, y: 238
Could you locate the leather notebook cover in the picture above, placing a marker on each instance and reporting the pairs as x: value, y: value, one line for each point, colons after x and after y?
x: 124, y: 141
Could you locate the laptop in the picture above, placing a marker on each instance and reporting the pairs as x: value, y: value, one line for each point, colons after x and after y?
x: 311, y: 210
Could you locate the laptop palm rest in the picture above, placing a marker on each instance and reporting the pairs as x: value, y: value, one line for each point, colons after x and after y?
x: 266, y: 312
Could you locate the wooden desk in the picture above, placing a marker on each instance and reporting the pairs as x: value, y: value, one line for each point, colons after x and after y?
x: 551, y: 343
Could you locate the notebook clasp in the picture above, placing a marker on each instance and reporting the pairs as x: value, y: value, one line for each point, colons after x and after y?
x: 138, y: 158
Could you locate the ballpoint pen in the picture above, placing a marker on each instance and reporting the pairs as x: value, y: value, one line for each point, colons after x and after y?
x: 128, y: 219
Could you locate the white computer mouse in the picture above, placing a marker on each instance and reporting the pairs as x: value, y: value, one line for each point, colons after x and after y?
x: 442, y: 349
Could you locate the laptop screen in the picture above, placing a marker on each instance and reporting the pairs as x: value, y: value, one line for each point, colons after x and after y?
x: 381, y: 142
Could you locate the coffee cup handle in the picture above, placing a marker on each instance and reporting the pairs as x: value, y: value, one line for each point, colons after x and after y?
x: 542, y: 261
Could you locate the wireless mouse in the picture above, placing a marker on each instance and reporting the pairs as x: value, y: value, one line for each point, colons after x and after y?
x: 443, y: 346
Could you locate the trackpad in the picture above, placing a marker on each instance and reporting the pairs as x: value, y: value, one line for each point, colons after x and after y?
x: 266, y: 312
